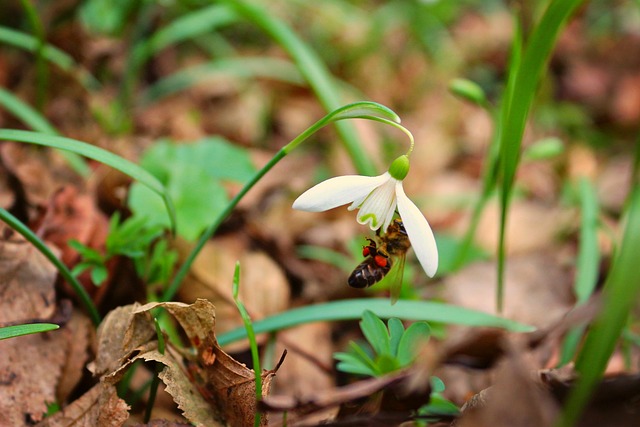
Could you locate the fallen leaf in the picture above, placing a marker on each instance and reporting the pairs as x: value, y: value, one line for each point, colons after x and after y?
x: 515, y: 400
x: 74, y: 216
x: 537, y: 288
x: 31, y: 365
x: 224, y: 382
x: 100, y: 406
x: 26, y: 280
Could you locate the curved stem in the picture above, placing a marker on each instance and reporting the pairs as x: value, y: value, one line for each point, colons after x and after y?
x: 361, y: 110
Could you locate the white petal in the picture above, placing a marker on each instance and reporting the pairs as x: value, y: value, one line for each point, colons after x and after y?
x: 378, y: 208
x: 337, y: 191
x: 419, y: 231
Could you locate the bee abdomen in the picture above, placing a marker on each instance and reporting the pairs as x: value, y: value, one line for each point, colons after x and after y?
x: 367, y: 273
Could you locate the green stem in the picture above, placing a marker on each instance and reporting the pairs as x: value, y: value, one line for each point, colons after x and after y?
x: 358, y: 110
x: 184, y: 268
x: 253, y: 344
x: 18, y: 226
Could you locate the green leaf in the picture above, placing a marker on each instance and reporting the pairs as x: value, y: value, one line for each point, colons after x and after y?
x: 352, y: 364
x: 375, y: 332
x: 197, y: 198
x: 437, y: 385
x: 524, y: 78
x: 416, y: 335
x: 619, y: 293
x: 105, y: 17
x: 31, y: 328
x: 386, y: 364
x: 192, y: 174
x: 352, y: 309
x: 99, y: 274
x: 80, y: 267
x: 466, y: 89
x: 396, y: 330
x: 544, y: 149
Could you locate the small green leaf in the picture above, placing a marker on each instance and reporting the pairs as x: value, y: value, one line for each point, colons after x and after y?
x: 468, y: 90
x: 437, y: 385
x: 192, y: 174
x: 376, y: 333
x: 80, y: 267
x: 31, y: 328
x: 417, y: 334
x: 363, y: 356
x: 386, y: 364
x: 543, y: 149
x: 99, y: 274
x: 352, y: 364
x: 105, y: 17
x: 396, y: 330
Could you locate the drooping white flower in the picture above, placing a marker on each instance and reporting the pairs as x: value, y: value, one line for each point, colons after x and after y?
x: 377, y: 198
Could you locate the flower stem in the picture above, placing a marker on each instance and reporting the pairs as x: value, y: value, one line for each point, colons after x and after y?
x: 359, y: 110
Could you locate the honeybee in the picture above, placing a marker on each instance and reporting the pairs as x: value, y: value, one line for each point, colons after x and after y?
x: 387, y: 251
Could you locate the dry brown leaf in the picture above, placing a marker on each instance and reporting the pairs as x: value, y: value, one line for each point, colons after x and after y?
x: 100, y: 406
x: 78, y: 332
x: 225, y: 383
x: 35, y: 369
x: 515, y: 400
x: 537, y: 291
x: 74, y: 216
x: 211, y: 388
x: 39, y: 369
x: 26, y: 280
x: 119, y: 334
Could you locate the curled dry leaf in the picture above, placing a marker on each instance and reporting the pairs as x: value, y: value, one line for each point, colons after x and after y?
x: 210, y: 388
x: 224, y: 382
x: 100, y: 406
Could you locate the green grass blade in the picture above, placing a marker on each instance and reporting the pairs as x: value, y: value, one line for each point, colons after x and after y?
x: 20, y: 330
x: 37, y: 122
x: 189, y: 26
x: 518, y: 103
x: 353, y: 309
x: 588, y: 262
x: 314, y: 71
x: 52, y: 54
x: 253, y: 343
x: 95, y: 153
x: 620, y: 294
x: 31, y: 237
x: 246, y: 67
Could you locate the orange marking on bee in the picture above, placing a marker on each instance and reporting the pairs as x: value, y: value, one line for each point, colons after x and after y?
x: 381, y: 261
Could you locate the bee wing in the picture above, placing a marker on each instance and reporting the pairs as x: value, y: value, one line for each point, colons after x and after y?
x: 395, y: 279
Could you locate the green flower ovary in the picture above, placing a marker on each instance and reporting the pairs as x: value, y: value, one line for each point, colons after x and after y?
x: 399, y: 167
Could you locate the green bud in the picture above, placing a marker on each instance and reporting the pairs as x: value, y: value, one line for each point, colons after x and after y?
x: 466, y: 89
x: 543, y: 149
x: 400, y: 167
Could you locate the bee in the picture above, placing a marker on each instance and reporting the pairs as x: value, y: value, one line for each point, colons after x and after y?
x: 387, y: 251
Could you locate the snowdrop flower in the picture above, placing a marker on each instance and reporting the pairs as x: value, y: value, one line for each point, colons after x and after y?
x: 377, y: 198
